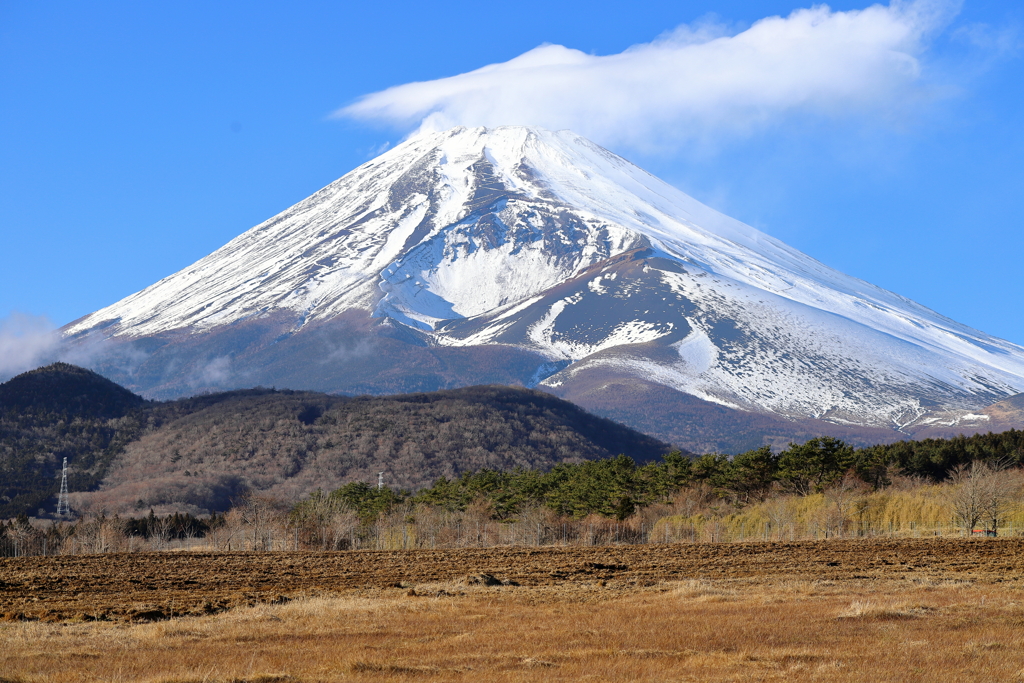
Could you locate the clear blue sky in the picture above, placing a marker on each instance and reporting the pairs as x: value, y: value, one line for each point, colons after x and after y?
x: 135, y: 138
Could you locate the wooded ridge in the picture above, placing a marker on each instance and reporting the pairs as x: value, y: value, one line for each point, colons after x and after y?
x: 128, y: 455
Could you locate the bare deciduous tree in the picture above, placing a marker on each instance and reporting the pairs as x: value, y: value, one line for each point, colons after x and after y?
x: 342, y: 527
x: 999, y: 494
x: 230, y: 534
x: 261, y: 514
x: 780, y: 515
x: 161, y: 532
x: 966, y: 499
x: 978, y: 494
x: 325, y: 522
x: 842, y: 500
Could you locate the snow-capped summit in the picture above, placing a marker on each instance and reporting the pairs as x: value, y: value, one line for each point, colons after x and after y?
x: 559, y: 263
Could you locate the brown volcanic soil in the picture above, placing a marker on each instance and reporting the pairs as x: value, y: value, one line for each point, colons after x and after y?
x: 150, y: 586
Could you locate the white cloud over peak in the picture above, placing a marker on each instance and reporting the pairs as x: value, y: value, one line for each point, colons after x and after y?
x: 695, y: 83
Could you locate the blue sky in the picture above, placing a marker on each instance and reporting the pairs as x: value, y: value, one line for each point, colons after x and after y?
x: 136, y: 138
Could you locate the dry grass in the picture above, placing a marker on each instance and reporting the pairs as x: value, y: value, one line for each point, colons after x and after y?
x: 892, y: 611
x: 695, y: 630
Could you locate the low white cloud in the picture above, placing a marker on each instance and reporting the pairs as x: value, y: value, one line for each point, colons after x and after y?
x: 213, y: 373
x: 29, y: 341
x: 696, y: 82
x: 26, y: 342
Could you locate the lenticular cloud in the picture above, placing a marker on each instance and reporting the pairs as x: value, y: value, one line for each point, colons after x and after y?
x: 694, y: 82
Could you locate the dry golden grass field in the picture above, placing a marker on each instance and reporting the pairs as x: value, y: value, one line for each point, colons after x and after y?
x: 880, y: 610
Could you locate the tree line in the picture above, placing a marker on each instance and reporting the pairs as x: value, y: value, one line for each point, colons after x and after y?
x: 824, y: 484
x: 617, y: 487
x: 981, y: 476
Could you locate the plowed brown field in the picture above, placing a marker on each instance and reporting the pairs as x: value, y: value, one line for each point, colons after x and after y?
x: 150, y: 586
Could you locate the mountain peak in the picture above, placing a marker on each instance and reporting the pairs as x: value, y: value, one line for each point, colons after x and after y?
x: 543, y: 245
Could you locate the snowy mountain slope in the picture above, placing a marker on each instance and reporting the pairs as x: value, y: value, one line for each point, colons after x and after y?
x: 545, y: 243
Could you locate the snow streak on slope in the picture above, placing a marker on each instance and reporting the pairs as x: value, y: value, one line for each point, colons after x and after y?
x: 545, y: 241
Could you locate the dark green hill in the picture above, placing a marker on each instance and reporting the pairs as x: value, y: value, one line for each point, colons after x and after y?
x: 66, y: 390
x: 54, y: 412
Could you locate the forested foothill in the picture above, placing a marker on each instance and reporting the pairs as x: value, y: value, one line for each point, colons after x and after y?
x: 127, y: 455
x: 505, y: 465
x: 61, y: 411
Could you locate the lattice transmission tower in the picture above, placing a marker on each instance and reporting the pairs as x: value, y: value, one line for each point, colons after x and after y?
x: 62, y: 500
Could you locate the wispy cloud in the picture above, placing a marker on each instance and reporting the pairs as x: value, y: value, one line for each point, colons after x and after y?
x: 696, y: 82
x: 29, y: 341
x: 214, y: 373
x: 26, y: 341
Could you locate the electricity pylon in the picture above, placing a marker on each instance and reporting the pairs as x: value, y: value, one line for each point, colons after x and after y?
x: 62, y: 500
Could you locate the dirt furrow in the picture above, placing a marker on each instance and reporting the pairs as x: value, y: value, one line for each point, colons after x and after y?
x: 151, y: 585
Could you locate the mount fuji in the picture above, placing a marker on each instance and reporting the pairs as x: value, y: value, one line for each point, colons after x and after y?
x: 518, y: 255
